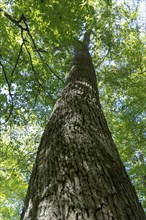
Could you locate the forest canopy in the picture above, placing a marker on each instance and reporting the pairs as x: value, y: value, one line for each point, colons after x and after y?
x: 36, y: 51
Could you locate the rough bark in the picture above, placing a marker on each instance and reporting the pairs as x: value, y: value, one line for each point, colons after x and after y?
x: 78, y: 173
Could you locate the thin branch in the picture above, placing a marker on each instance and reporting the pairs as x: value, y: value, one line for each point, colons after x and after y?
x: 16, y: 22
x: 9, y: 83
x: 10, y: 94
x: 39, y: 54
x: 105, y: 56
x: 26, y: 28
x: 17, y: 60
x: 31, y: 62
x: 53, y: 72
x: 32, y: 66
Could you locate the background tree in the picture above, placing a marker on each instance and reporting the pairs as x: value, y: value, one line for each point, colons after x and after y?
x: 43, y: 39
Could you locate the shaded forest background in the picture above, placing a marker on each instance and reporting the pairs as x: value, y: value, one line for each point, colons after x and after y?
x: 36, y: 51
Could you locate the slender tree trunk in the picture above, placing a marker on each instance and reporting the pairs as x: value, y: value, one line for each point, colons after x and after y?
x: 78, y: 174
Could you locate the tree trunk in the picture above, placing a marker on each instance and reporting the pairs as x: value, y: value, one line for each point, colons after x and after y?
x: 78, y: 173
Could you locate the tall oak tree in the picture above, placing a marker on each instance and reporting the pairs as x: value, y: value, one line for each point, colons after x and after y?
x: 78, y: 173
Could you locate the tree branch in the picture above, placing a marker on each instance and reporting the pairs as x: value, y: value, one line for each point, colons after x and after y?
x: 17, y: 23
x: 26, y: 28
x: 10, y: 94
x: 32, y: 66
x: 38, y: 52
x: 17, y: 60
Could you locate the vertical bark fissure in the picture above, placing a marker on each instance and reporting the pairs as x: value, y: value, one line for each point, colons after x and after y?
x: 87, y: 175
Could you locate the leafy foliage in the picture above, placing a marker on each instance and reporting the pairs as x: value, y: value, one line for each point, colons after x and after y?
x: 36, y: 49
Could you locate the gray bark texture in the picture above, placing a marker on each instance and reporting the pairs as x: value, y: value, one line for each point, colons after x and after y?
x: 78, y: 174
